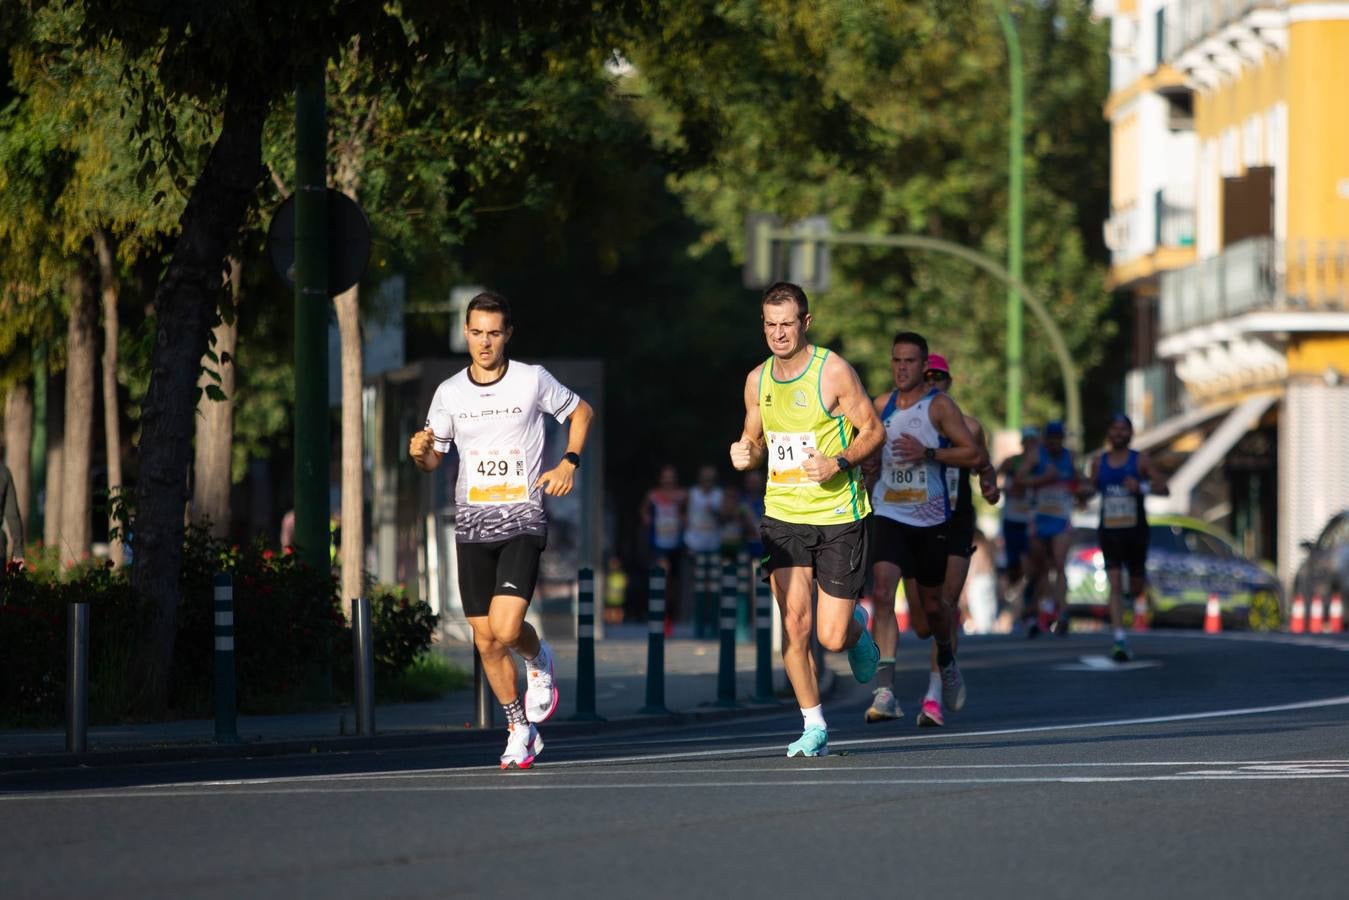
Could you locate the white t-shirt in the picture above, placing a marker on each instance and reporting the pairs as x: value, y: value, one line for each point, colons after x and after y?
x: 498, y: 430
x: 703, y: 532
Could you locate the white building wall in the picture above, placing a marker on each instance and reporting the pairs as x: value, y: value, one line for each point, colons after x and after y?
x: 1313, y: 477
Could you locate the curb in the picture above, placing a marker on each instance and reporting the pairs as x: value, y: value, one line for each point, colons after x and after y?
x: 396, y: 740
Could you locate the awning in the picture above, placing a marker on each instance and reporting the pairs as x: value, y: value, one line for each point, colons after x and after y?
x: 1216, y: 446
x: 1175, y: 426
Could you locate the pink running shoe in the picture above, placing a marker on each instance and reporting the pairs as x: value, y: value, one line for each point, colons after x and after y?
x: 930, y: 715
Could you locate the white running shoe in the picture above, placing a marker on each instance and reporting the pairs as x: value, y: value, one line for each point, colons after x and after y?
x: 522, y: 745
x: 883, y: 706
x: 952, y: 687
x: 541, y: 689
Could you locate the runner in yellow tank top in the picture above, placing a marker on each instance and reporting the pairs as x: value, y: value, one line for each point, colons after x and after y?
x: 807, y: 413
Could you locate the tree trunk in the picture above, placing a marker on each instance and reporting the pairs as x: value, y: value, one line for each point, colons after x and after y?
x: 76, y: 527
x: 353, y: 455
x: 56, y: 456
x: 112, y: 410
x: 215, y: 421
x: 19, y: 447
x: 184, y: 303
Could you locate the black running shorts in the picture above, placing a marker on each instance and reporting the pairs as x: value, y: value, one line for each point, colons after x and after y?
x: 837, y: 553
x: 487, y: 569
x: 960, y: 534
x: 919, y: 551
x: 1126, y: 548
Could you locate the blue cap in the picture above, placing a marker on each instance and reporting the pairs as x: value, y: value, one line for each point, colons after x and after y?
x: 1123, y: 419
x: 1054, y: 428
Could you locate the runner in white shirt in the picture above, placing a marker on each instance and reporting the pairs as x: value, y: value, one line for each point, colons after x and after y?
x: 493, y: 412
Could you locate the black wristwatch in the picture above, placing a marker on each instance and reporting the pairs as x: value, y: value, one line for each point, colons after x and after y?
x: 930, y: 453
x: 573, y: 458
x: 843, y: 464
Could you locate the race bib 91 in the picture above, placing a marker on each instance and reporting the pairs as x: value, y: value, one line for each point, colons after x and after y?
x: 787, y: 456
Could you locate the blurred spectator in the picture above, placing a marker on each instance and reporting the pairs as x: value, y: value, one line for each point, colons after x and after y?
x: 615, y: 591
x: 980, y: 596
x: 663, y: 513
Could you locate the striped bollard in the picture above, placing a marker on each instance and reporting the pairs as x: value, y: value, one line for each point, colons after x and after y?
x: 655, y: 644
x: 763, y: 640
x: 585, y: 647
x: 726, y: 663
x: 742, y: 575
x: 226, y: 712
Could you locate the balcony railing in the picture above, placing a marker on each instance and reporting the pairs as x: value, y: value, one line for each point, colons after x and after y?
x: 1188, y: 23
x: 1259, y: 274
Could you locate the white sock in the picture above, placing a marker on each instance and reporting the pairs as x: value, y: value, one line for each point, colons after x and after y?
x: 814, y: 716
x: 1119, y: 635
x: 933, y: 686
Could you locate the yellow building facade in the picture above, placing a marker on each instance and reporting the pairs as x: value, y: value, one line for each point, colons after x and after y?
x: 1241, y: 367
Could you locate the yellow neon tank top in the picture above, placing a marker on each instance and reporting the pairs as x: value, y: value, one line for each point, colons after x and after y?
x: 794, y: 418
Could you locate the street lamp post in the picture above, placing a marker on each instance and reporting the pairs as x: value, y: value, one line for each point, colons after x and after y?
x: 1015, y: 190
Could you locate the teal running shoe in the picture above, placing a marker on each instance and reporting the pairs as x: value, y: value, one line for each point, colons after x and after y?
x: 864, y: 656
x: 814, y: 741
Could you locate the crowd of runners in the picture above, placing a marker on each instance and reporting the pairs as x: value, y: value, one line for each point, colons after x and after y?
x: 862, y: 494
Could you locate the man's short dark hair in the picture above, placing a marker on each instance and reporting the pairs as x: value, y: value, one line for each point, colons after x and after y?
x: 780, y: 292
x: 914, y: 338
x: 491, y: 302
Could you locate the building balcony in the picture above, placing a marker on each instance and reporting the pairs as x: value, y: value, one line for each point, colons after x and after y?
x: 1147, y: 238
x: 1212, y: 39
x: 1225, y: 320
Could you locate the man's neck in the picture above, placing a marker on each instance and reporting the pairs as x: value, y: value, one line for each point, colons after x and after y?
x: 481, y: 375
x: 906, y: 398
x: 785, y: 368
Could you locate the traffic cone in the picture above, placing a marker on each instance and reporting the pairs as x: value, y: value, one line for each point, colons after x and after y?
x: 1141, y: 612
x: 901, y: 610
x: 1297, y: 620
x: 1318, y: 615
x: 1335, y: 622
x: 1213, y: 615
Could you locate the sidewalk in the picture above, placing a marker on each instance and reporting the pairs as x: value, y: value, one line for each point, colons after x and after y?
x: 691, y: 674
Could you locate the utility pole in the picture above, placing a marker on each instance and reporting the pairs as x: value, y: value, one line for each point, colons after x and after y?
x: 1015, y: 224
x: 311, y: 442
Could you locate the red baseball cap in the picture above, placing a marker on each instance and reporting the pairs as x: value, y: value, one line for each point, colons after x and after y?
x: 936, y: 363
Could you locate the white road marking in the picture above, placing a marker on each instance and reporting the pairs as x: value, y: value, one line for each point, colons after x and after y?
x: 1106, y: 664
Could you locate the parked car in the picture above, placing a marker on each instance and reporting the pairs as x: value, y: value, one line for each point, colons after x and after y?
x: 1325, y: 571
x: 1187, y: 561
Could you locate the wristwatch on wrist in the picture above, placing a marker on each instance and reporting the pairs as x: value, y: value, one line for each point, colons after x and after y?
x: 843, y: 464
x: 573, y: 458
x: 930, y: 453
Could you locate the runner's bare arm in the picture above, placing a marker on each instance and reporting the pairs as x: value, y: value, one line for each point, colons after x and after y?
x: 988, y: 476
x: 840, y: 384
x: 422, y: 451
x: 950, y: 422
x: 748, y: 452
x: 1156, y: 480
x: 557, y: 481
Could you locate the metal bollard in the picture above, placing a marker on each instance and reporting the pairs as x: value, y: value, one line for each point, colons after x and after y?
x: 726, y: 662
x: 742, y: 576
x: 585, y: 647
x: 763, y: 641
x: 226, y: 705
x: 364, y: 649
x: 655, y: 644
x: 77, y: 677
x: 702, y: 574
x: 482, y: 694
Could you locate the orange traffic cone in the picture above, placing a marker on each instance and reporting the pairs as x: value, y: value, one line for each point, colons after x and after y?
x: 1335, y: 622
x: 1141, y: 613
x: 1213, y: 615
x: 1318, y: 615
x: 901, y: 610
x: 1297, y: 619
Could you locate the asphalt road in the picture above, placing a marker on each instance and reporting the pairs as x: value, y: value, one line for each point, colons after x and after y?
x: 1211, y: 767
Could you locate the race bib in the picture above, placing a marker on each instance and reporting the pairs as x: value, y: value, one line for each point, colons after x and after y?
x: 496, y: 476
x: 786, y: 457
x: 906, y: 484
x: 667, y: 527
x: 952, y: 485
x: 1119, y: 511
x: 1053, y: 502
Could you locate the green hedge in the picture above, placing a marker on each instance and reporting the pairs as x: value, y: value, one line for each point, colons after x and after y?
x: 292, y: 643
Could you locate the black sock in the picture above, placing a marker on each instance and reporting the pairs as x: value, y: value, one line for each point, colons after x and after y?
x: 515, y: 712
x: 944, y: 654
